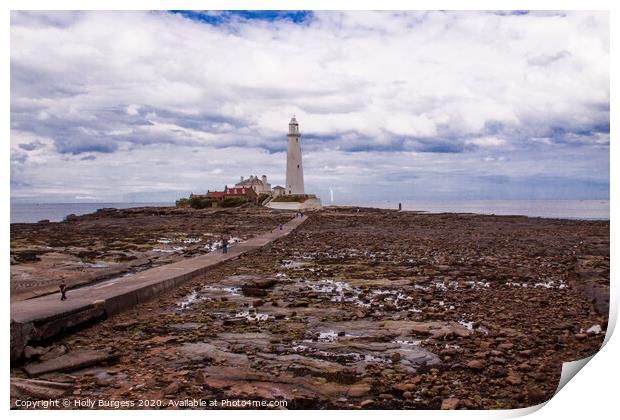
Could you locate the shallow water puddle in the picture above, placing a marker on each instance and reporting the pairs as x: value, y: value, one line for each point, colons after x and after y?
x: 550, y: 284
x: 251, y: 315
x: 169, y: 250
x: 344, y: 357
x: 342, y: 292
x: 467, y: 324
x: 99, y: 265
x: 188, y: 300
x: 207, y: 293
x: 289, y: 264
x: 233, y: 291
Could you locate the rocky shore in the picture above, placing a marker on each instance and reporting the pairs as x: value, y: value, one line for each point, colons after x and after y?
x: 114, y: 242
x: 357, y: 308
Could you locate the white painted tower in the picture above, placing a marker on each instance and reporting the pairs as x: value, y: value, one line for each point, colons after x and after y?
x: 294, y: 167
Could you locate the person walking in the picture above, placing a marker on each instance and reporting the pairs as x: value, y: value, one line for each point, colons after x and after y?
x: 224, y: 245
x: 63, y: 290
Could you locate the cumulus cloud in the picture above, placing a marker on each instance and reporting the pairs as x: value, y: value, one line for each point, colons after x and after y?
x: 90, y: 90
x: 487, y: 141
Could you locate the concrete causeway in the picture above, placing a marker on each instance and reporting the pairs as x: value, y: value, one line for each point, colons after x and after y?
x: 46, y: 316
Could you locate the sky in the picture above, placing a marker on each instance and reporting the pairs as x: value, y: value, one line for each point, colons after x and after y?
x: 149, y: 106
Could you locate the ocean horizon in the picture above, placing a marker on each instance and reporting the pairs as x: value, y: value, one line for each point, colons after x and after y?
x: 56, y: 212
x: 561, y: 209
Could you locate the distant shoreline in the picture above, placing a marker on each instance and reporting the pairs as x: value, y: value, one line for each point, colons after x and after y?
x: 56, y: 212
x: 587, y: 210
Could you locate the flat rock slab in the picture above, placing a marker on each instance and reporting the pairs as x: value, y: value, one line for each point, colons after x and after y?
x: 69, y: 361
x: 33, y: 388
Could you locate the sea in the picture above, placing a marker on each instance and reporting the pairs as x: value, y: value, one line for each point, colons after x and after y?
x: 560, y: 209
x: 556, y: 209
x: 56, y: 212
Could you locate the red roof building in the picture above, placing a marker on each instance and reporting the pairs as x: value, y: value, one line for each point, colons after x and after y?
x: 244, y: 192
x: 217, y: 195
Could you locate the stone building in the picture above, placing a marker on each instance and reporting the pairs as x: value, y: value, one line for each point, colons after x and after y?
x: 278, y: 191
x: 259, y: 185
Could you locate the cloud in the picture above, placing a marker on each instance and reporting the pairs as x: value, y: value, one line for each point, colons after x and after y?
x: 545, y: 59
x: 487, y: 141
x: 95, y: 87
x: 33, y: 145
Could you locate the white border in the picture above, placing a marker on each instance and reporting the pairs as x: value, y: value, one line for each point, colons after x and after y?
x: 592, y: 394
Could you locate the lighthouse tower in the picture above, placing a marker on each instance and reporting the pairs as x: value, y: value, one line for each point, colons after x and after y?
x: 294, y: 167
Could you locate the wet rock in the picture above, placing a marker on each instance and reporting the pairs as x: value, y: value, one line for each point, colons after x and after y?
x: 513, y: 378
x: 235, y: 321
x: 405, y: 387
x: 448, y: 331
x: 173, y: 388
x: 476, y: 364
x: 534, y: 394
x: 34, y: 352
x: 160, y: 340
x: 58, y: 377
x: 123, y: 326
x: 497, y: 371
x: 69, y: 361
x: 358, y: 390
x: 256, y: 287
x: 251, y: 291
x: 206, y: 351
x: 53, y: 353
x: 367, y: 403
x: 263, y: 283
x: 505, y: 346
x: 38, y: 389
x: 450, y: 404
x: 186, y: 326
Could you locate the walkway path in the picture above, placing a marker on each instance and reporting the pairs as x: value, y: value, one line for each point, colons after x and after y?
x: 46, y: 316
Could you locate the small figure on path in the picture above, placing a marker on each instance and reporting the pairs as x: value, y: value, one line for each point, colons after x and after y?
x: 400, y: 206
x: 63, y: 290
x: 301, y: 214
x: 280, y: 226
x: 224, y: 245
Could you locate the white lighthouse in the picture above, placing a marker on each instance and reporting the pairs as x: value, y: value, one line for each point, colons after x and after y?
x: 293, y: 195
x: 294, y: 166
